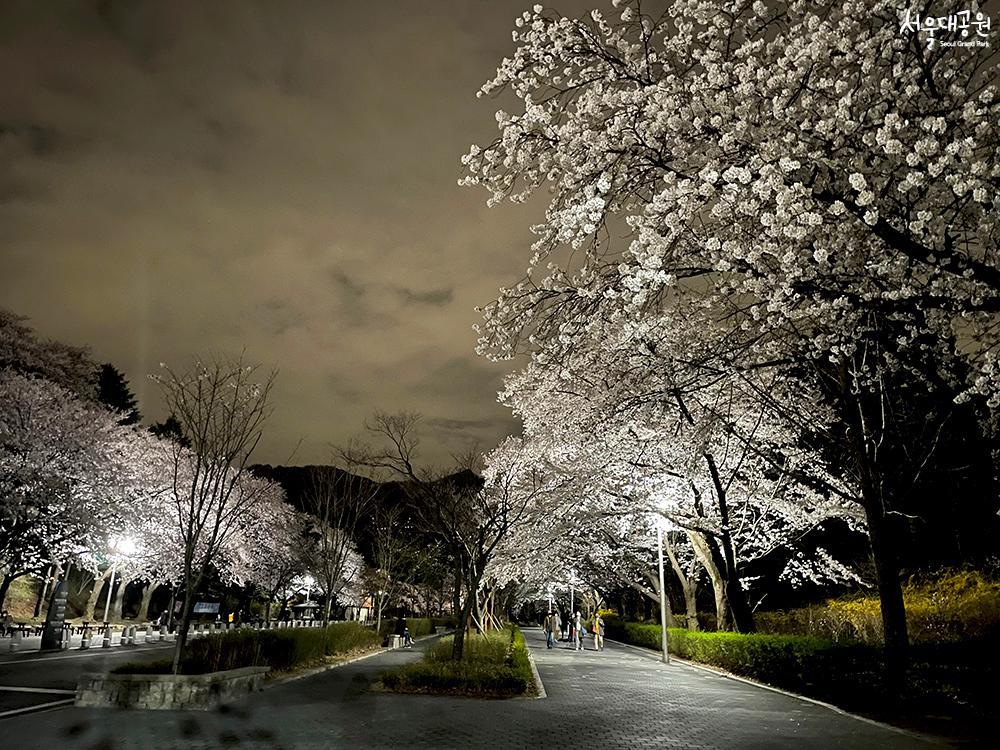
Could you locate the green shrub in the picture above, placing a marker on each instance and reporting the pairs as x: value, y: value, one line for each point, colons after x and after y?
x: 282, y: 649
x: 791, y: 662
x: 493, y: 665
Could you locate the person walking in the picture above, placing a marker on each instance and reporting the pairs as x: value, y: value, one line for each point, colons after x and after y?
x: 598, y: 629
x: 578, y: 631
x: 548, y: 625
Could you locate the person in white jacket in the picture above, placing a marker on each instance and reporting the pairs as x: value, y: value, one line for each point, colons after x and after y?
x: 578, y: 631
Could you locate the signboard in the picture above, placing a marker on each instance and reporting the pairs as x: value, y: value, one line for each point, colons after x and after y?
x: 206, y: 608
x: 52, y: 633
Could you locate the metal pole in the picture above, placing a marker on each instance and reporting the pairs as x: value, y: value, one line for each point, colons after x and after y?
x: 663, y: 595
x: 111, y: 588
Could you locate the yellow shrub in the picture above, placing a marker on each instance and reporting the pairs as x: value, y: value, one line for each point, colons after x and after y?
x: 955, y: 606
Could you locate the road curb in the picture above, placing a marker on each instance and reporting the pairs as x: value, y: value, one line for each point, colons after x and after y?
x: 836, y: 709
x: 539, y: 686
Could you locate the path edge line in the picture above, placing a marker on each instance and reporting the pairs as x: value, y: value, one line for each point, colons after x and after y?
x: 64, y: 703
x: 939, y: 741
x: 539, y: 686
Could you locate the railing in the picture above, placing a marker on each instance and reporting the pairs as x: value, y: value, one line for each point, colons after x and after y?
x: 28, y: 637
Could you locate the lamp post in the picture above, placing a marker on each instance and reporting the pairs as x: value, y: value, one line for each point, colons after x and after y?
x: 663, y: 593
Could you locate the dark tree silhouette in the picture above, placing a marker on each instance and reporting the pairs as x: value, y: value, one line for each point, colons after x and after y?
x: 113, y: 391
x: 170, y: 429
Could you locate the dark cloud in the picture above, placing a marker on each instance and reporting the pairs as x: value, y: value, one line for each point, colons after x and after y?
x: 437, y: 297
x: 179, y: 177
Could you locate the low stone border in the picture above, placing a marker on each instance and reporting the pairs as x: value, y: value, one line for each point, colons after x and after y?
x: 199, y: 692
x: 539, y: 687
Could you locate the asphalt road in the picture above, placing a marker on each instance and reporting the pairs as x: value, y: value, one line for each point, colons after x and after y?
x: 618, y: 698
x: 32, y: 680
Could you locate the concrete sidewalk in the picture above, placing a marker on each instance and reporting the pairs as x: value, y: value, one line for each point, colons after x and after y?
x: 612, y: 699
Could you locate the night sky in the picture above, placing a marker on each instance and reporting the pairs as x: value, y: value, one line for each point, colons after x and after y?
x: 189, y: 177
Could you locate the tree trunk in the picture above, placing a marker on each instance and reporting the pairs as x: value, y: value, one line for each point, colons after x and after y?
x: 703, y: 551
x: 147, y: 597
x: 43, y: 589
x: 458, y: 643
x: 890, y: 592
x: 689, y: 586
x: 118, y: 601
x: 95, y: 595
x: 182, y: 632
x: 738, y: 604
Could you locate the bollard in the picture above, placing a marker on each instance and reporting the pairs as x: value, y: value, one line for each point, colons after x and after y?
x: 65, y: 636
x: 130, y: 635
x: 85, y: 637
x: 107, y: 636
x: 163, y: 633
x: 15, y: 639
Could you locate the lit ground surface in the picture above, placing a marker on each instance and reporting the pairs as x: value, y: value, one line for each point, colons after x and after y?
x: 614, y: 699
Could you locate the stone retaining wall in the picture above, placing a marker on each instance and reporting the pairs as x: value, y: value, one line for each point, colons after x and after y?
x: 167, y: 691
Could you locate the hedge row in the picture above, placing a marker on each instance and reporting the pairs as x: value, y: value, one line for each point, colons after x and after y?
x: 493, y: 665
x: 788, y: 661
x: 282, y: 649
x: 948, y: 679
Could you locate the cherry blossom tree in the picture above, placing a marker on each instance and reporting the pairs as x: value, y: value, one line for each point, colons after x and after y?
x: 268, y: 549
x: 23, y: 351
x: 815, y: 175
x: 62, y: 462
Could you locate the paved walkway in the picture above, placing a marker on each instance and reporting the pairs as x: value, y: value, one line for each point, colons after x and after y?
x: 618, y: 698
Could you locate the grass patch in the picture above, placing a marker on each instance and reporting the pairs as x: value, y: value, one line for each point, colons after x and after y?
x: 495, y: 665
x: 282, y: 650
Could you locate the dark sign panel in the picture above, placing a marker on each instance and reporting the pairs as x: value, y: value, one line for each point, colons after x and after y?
x: 52, y: 633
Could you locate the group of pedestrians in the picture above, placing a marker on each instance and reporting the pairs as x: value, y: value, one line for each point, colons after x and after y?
x: 574, y: 628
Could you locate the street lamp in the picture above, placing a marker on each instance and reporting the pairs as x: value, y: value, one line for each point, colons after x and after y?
x: 120, y: 546
x: 309, y: 581
x: 663, y: 591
